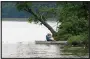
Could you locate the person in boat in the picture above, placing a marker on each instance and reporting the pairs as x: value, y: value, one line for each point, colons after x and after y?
x: 49, y: 37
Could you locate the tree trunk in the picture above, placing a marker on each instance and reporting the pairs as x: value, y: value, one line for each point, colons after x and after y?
x: 42, y: 21
x: 48, y: 26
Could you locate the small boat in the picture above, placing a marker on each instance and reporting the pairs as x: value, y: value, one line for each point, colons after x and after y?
x: 51, y: 42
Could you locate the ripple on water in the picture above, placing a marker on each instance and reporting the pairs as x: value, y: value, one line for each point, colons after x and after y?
x: 22, y: 50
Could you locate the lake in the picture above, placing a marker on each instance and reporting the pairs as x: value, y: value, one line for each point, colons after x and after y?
x: 23, y: 31
x: 18, y: 40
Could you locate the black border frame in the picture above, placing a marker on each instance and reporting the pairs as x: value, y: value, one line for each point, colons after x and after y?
x: 45, y: 1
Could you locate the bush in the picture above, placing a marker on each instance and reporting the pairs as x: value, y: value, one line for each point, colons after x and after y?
x: 62, y: 37
x: 74, y: 40
x: 78, y: 40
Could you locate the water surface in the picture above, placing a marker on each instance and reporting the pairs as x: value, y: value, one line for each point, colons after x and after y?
x: 23, y: 31
x: 18, y: 40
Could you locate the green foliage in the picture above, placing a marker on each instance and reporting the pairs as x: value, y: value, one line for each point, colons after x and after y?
x: 41, y: 10
x: 79, y: 39
x: 22, y: 5
x: 75, y: 39
x: 74, y: 23
x: 73, y: 18
x: 38, y: 15
x: 33, y: 19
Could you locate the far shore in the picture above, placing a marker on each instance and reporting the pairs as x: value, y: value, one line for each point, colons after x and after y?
x: 24, y: 19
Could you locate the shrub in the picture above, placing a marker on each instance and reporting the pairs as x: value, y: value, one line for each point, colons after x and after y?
x: 74, y: 40
x: 78, y: 40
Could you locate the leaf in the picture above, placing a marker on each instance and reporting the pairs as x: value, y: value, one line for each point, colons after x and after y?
x: 30, y: 20
x: 23, y: 5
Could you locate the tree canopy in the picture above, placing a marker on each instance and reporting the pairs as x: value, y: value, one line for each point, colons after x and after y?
x: 74, y: 23
x: 38, y: 15
x: 72, y: 16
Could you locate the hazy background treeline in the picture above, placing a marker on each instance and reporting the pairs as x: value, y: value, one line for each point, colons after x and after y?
x: 9, y: 9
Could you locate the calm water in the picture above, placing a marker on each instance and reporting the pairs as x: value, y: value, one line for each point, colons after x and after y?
x: 18, y: 41
x: 23, y: 31
x: 31, y: 50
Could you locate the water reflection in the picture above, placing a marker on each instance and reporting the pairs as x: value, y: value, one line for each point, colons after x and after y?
x: 32, y: 50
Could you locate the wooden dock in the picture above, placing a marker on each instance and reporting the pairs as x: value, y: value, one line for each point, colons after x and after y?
x: 50, y: 42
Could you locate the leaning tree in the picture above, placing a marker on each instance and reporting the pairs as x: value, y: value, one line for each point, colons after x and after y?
x: 39, y: 12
